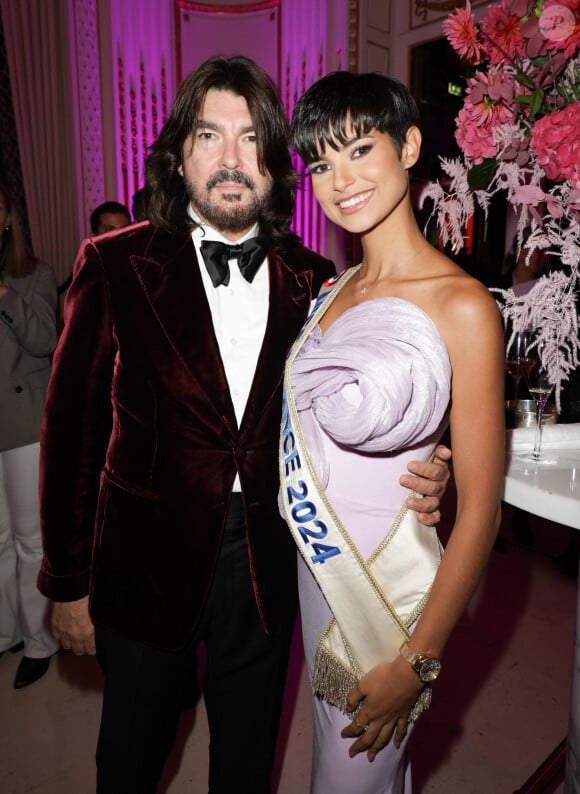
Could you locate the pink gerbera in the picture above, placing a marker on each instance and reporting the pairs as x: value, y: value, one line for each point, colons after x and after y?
x: 462, y: 34
x: 502, y: 34
x: 486, y: 107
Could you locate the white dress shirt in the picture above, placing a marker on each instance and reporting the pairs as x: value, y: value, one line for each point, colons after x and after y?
x: 239, y: 313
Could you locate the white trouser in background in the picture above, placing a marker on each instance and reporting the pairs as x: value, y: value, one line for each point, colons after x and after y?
x: 23, y: 610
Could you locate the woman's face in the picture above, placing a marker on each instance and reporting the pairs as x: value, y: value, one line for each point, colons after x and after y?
x: 363, y: 183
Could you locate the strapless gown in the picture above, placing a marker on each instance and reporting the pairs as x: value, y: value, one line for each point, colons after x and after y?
x: 372, y: 394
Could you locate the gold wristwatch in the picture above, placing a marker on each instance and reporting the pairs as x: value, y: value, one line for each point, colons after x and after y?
x: 426, y: 667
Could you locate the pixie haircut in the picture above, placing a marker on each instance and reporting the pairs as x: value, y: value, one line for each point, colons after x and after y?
x: 341, y: 102
x: 166, y: 195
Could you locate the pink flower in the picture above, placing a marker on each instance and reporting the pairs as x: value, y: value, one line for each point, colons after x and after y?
x: 494, y: 84
x: 488, y: 104
x: 559, y: 24
x: 462, y: 34
x: 502, y: 35
x: 529, y: 194
x: 556, y: 144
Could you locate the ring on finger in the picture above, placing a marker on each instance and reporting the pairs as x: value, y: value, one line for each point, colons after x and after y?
x: 362, y: 727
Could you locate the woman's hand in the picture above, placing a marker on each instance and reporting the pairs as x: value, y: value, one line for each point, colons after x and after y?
x: 388, y: 693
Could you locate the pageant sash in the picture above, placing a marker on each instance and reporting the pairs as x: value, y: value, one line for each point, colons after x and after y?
x: 374, y: 602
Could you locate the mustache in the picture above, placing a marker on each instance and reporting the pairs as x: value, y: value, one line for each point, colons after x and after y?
x: 230, y: 176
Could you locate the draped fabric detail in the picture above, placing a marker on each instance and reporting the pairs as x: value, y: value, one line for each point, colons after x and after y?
x: 376, y: 381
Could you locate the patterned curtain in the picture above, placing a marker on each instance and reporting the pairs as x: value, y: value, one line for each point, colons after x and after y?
x: 10, y: 168
x: 38, y: 50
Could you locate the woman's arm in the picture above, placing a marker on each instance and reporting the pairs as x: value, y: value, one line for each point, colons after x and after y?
x: 30, y: 312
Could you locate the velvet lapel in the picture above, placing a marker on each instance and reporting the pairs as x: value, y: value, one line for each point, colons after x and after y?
x: 290, y: 295
x: 170, y: 277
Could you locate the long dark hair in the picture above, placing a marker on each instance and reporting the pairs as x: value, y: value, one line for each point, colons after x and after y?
x: 166, y: 196
x: 369, y: 101
x: 15, y: 258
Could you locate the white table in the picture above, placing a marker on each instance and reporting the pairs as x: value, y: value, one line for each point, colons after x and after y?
x: 553, y: 492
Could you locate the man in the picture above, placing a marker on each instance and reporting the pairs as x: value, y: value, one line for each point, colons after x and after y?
x: 160, y: 473
x: 109, y: 216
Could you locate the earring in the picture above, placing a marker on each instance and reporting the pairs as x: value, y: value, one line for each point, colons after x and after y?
x: 7, y: 228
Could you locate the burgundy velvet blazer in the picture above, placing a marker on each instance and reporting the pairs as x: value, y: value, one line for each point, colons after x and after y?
x: 140, y: 444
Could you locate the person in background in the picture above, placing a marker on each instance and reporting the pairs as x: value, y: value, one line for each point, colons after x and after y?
x: 159, y: 453
x: 138, y: 206
x: 27, y: 339
x: 396, y: 350
x: 108, y: 217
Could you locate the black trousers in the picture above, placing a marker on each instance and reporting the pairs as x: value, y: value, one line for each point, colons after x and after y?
x: 243, y: 686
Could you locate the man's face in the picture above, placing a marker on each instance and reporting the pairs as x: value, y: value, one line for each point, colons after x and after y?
x: 220, y: 166
x: 109, y: 221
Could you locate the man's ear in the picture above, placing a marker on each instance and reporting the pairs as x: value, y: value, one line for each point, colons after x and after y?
x: 411, y: 147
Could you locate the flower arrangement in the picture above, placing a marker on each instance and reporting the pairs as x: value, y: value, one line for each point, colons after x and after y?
x: 518, y: 131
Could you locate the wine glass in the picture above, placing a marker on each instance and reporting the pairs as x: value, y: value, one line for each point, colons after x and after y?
x: 540, y: 388
x: 517, y: 344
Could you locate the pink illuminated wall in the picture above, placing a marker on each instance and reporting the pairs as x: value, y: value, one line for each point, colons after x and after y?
x: 147, y: 46
x: 138, y: 83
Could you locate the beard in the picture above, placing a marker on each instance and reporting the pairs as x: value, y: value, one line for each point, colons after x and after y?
x: 228, y: 213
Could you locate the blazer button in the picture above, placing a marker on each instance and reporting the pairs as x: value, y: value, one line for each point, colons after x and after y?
x: 18, y: 389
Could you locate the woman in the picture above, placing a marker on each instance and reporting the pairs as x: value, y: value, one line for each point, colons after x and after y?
x: 27, y: 338
x: 395, y: 350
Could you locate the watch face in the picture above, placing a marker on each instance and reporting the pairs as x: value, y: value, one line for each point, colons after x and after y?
x: 429, y: 670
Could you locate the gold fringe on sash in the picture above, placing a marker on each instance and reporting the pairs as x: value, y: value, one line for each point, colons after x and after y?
x: 332, y: 681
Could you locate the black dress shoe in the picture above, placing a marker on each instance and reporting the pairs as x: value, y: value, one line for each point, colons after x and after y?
x: 15, y: 649
x: 30, y: 670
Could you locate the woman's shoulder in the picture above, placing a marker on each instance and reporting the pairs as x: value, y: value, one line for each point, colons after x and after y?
x: 458, y: 303
x: 456, y: 290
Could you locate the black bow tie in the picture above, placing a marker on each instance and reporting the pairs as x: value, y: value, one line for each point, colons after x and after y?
x: 250, y: 255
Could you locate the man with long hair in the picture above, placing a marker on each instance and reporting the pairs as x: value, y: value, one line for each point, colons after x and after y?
x: 159, y: 464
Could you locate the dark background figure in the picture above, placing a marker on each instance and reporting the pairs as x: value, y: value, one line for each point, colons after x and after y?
x: 27, y: 339
x: 138, y: 206
x: 109, y: 216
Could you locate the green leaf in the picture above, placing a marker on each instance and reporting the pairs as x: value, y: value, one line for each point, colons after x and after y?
x: 480, y: 174
x: 537, y: 102
x: 524, y: 80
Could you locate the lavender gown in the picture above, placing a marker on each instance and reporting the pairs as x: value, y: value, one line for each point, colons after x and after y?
x: 372, y: 394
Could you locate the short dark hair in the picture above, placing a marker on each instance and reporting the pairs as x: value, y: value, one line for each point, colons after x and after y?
x: 138, y: 206
x: 166, y: 194
x: 107, y: 206
x: 368, y: 101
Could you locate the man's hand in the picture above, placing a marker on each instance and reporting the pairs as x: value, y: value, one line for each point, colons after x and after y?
x: 72, y: 626
x: 430, y: 480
